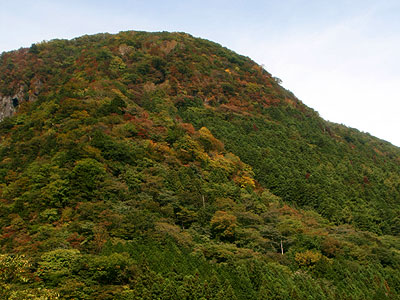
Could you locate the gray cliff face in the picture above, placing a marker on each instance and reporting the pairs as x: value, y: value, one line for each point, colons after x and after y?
x: 9, y: 104
x: 6, y: 107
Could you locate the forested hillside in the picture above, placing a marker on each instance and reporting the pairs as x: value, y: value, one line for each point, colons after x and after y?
x: 162, y: 166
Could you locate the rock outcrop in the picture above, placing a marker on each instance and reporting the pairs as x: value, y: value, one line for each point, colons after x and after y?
x: 9, y: 104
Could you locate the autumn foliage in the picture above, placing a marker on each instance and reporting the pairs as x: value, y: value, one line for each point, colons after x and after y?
x: 162, y: 166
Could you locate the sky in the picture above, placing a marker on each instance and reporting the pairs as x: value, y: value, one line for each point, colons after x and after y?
x: 341, y: 58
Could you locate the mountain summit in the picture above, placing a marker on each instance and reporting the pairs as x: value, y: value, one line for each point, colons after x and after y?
x: 162, y: 166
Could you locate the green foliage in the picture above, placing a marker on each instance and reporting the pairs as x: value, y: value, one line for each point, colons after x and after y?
x: 86, y: 178
x: 296, y: 162
x: 116, y: 268
x: 163, y: 166
x: 55, y: 266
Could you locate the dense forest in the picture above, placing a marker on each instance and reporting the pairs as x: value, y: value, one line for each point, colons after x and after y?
x: 162, y: 166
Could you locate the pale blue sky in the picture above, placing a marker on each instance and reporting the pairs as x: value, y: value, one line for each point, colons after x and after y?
x: 339, y: 57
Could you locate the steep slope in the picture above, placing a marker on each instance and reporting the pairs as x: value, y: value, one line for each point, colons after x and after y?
x: 144, y: 165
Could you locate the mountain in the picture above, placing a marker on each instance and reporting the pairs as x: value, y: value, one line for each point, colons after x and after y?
x: 162, y: 166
